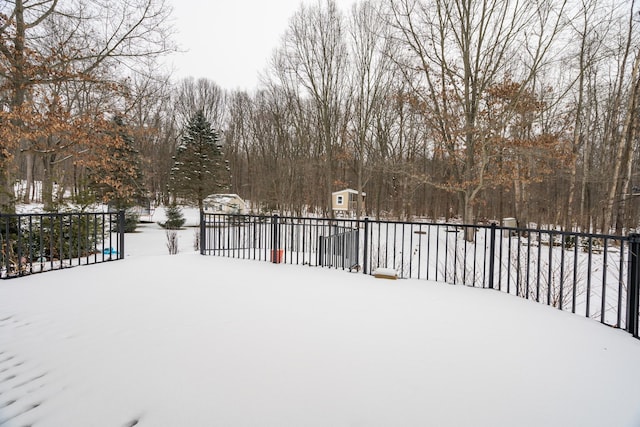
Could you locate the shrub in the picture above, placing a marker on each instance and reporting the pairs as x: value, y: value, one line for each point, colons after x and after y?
x: 131, y: 219
x: 172, y: 242
x: 175, y: 218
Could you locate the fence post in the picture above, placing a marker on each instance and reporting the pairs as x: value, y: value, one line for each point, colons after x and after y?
x: 202, y: 234
x: 121, y: 234
x: 365, y: 264
x: 275, y: 239
x: 492, y: 254
x: 633, y: 285
x: 321, y: 248
x: 5, y: 242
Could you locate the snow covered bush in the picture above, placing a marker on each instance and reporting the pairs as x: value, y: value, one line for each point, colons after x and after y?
x: 172, y: 242
x: 131, y: 219
x: 175, y: 218
x: 196, y: 240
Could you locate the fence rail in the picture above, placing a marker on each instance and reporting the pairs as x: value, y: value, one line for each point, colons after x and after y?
x: 35, y: 243
x: 593, y: 275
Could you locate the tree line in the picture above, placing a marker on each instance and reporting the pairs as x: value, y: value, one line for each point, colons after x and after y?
x: 468, y: 109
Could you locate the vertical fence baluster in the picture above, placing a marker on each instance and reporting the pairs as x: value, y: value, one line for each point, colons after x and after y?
x: 539, y: 266
x: 30, y: 249
x: 475, y: 257
x: 492, y: 256
x: 528, y: 267
x: 79, y: 240
x: 519, y: 266
x: 429, y: 248
x: 500, y: 253
x: 550, y: 269
x: 121, y: 219
x: 19, y: 247
x: 438, y: 251
x: 274, y: 237
x: 562, y: 254
x: 589, y: 254
x: 454, y: 252
x: 487, y: 244
x: 411, y: 233
x: 60, y: 251
x: 446, y: 255
x: 604, y: 280
x: 69, y: 239
x: 365, y: 249
x: 575, y: 278
x: 620, y: 284
x: 633, y: 288
x: 403, y: 250
x: 202, y: 231
x: 509, y: 263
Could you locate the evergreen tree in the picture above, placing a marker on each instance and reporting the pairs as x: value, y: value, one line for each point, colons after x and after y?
x: 175, y: 218
x: 114, y: 166
x: 199, y: 168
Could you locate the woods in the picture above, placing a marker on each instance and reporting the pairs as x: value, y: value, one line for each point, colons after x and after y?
x: 468, y: 109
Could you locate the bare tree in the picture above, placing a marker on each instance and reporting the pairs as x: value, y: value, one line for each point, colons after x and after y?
x: 154, y: 124
x: 312, y: 63
x: 457, y: 50
x: 371, y: 74
x: 621, y: 133
x: 200, y: 95
x: 49, y: 43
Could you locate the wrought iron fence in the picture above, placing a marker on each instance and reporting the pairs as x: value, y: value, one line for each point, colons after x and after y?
x: 593, y: 275
x: 308, y: 241
x: 35, y: 243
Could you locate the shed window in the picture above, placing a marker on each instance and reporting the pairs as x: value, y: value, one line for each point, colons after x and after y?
x: 339, y: 200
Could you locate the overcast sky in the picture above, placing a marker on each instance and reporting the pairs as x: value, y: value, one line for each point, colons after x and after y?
x: 230, y: 42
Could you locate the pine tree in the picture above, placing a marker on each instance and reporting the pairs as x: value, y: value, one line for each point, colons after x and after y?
x: 175, y: 218
x: 199, y: 168
x: 113, y: 165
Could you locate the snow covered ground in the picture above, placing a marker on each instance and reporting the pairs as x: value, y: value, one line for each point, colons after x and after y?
x: 187, y: 340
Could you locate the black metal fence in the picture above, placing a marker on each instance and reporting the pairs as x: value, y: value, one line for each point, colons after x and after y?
x: 34, y: 243
x: 593, y: 275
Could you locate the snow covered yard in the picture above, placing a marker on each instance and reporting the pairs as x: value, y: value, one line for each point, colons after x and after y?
x: 188, y: 340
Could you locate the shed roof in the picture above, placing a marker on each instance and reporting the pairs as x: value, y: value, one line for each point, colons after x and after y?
x: 348, y: 190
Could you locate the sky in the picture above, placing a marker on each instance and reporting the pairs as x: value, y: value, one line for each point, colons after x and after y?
x: 161, y: 340
x: 230, y: 42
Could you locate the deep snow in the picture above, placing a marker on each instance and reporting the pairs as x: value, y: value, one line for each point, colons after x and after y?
x: 188, y: 340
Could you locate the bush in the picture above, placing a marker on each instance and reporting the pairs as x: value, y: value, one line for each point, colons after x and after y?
x: 130, y: 221
x: 175, y: 218
x: 172, y: 242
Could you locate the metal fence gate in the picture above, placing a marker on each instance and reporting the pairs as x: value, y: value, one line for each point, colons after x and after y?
x: 340, y: 250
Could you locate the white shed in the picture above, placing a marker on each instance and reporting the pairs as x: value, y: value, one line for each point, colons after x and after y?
x: 345, y: 201
x: 224, y: 204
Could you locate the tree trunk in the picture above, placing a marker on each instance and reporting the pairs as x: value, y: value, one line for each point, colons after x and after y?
x: 7, y: 202
x: 624, y: 147
x: 469, y: 232
x: 29, y: 155
x: 47, y: 182
x: 629, y: 134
